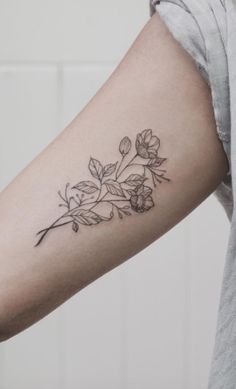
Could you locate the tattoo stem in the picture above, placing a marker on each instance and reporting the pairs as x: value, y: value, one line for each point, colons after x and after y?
x: 55, y: 225
x: 122, y: 159
x: 104, y: 201
x: 128, y: 164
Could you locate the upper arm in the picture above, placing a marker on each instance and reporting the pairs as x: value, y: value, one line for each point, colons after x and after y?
x: 156, y: 86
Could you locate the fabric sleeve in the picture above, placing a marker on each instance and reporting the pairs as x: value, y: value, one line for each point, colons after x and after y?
x: 203, y: 38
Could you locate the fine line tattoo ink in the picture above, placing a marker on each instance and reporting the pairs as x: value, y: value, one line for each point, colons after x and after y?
x: 121, y: 187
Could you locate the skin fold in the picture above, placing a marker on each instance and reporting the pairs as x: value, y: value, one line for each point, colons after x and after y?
x: 156, y: 87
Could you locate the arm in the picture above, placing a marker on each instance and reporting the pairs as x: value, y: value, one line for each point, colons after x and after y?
x: 49, y: 253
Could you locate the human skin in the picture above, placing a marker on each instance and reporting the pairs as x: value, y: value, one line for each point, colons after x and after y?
x: 155, y: 86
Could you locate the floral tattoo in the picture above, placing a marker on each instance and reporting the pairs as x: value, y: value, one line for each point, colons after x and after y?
x: 124, y: 194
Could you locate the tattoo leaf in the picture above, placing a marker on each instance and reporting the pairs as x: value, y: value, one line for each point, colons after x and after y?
x: 156, y: 162
x: 86, y: 187
x: 120, y: 214
x: 96, y: 168
x: 109, y: 169
x: 135, y: 179
x: 88, y: 217
x: 127, y: 213
x: 75, y: 226
x: 124, y: 210
x: 125, y: 146
x: 114, y: 188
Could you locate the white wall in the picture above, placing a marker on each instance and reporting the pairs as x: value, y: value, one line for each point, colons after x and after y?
x: 150, y: 323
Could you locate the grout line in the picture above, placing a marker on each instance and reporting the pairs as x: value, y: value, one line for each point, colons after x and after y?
x: 187, y: 384
x: 124, y: 329
x: 62, y: 368
x: 2, y: 367
x: 60, y: 95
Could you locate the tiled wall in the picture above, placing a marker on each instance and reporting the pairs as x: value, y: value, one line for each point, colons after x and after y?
x: 150, y: 322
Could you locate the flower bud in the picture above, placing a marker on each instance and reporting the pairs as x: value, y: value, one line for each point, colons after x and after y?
x: 125, y: 146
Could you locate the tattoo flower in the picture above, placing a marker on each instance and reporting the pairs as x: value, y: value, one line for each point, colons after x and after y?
x: 141, y: 199
x: 147, y: 145
x: 106, y: 188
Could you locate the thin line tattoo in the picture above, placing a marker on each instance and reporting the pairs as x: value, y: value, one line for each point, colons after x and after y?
x: 124, y: 194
